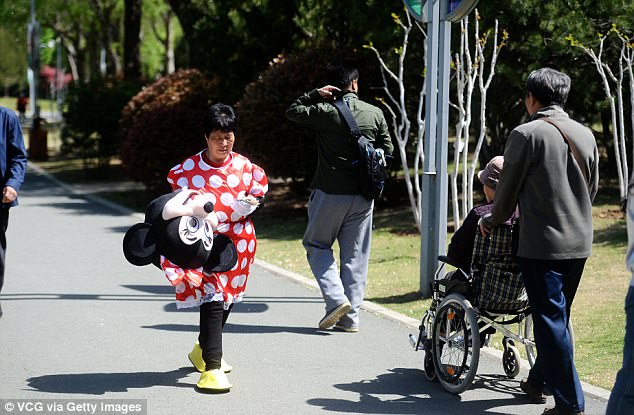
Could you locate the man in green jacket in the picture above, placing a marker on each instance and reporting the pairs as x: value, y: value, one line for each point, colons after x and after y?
x: 336, y: 209
x: 552, y: 171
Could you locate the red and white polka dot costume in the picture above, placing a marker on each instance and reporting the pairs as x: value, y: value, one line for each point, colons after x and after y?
x: 224, y: 185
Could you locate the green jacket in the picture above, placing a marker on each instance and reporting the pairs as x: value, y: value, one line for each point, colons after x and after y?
x: 541, y: 174
x: 336, y: 150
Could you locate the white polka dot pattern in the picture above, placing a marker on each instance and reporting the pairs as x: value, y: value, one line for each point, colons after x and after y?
x: 232, y: 180
x: 198, y: 182
x: 188, y: 164
x: 226, y: 199
x: 215, y: 181
x: 182, y: 182
x: 223, y: 185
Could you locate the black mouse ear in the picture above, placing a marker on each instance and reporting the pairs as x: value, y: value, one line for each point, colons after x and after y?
x: 139, y: 244
x: 224, y: 255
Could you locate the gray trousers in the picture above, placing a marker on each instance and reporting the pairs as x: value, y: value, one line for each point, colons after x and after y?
x: 348, y: 220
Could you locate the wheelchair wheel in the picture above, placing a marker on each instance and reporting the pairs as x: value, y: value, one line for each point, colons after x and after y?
x: 531, y: 350
x: 510, y: 359
x: 455, y: 343
x: 428, y: 361
x: 428, y: 366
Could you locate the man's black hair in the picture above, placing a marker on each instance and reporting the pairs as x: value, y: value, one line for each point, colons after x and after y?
x: 548, y: 86
x: 341, y: 73
x: 220, y: 117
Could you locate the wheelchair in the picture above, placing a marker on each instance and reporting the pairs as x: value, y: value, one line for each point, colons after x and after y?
x: 467, y: 308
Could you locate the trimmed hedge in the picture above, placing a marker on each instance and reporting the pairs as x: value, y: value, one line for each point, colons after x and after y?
x: 163, y: 124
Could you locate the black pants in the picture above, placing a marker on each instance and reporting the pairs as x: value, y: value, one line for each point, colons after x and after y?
x: 213, y: 317
x: 4, y: 222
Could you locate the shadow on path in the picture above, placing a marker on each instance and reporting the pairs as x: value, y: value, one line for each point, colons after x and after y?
x: 242, y: 329
x: 405, y: 391
x: 101, y: 383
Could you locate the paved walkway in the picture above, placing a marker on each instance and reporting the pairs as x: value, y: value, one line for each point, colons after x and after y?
x: 81, y: 323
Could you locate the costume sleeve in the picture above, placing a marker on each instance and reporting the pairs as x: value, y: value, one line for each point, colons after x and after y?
x: 259, y: 182
x: 16, y: 155
x: 174, y: 175
x: 517, y: 162
x: 460, y: 248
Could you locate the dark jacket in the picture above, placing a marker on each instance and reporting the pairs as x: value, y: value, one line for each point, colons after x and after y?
x: 12, y: 151
x: 541, y: 174
x: 336, y: 151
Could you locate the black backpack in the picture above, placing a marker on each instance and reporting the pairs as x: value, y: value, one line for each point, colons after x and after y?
x: 371, y: 164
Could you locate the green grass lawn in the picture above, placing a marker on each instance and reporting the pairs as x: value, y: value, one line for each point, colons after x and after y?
x: 393, y: 279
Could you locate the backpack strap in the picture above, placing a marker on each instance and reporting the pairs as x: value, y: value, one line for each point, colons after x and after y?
x: 571, y: 146
x: 347, y: 117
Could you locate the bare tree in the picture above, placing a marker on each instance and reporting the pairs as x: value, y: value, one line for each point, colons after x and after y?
x: 469, y: 70
x: 396, y: 107
x: 607, y: 74
x: 466, y: 74
x: 484, y: 87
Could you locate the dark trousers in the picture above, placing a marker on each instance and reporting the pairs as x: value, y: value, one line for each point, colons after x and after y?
x: 551, y: 286
x: 4, y: 223
x: 213, y: 317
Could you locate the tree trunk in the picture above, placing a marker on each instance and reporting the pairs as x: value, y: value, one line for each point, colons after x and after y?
x: 170, y: 64
x: 132, y: 39
x: 106, y: 35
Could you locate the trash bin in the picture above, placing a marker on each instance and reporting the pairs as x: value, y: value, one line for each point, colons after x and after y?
x: 38, y: 140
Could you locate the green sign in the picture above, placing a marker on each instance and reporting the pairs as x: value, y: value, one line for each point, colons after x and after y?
x: 416, y: 9
x: 456, y: 9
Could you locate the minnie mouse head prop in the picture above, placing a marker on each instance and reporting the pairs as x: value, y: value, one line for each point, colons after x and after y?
x: 180, y: 226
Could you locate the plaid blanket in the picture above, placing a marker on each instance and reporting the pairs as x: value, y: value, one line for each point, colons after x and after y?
x: 497, y: 281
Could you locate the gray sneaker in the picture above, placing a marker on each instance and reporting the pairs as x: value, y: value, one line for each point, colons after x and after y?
x: 340, y: 327
x: 333, y: 316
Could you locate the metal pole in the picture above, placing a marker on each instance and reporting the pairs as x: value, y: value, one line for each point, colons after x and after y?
x: 434, y: 180
x: 34, y: 37
x: 59, y: 79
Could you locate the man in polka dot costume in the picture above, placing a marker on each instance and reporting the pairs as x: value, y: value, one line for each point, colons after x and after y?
x: 235, y: 186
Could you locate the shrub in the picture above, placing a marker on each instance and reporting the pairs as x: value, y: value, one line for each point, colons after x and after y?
x: 162, y: 125
x: 92, y: 118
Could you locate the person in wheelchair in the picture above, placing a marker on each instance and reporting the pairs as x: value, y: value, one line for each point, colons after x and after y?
x: 460, y: 250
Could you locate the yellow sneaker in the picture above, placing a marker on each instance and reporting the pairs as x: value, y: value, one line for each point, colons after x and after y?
x: 196, y: 357
x: 224, y: 366
x: 214, y: 381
